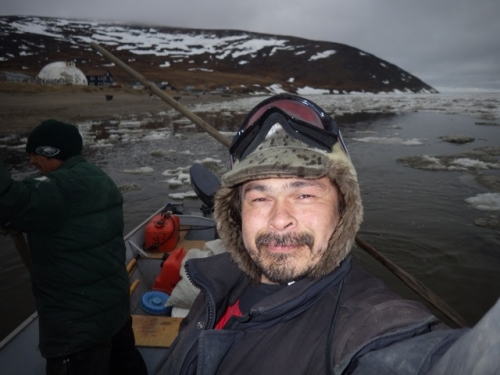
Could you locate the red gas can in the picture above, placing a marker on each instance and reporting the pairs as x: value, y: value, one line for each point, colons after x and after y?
x: 170, y: 272
x: 162, y: 233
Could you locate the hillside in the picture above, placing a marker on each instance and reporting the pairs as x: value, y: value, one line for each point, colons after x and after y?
x: 244, y: 62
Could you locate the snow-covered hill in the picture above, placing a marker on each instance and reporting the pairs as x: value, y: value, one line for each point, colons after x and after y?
x: 205, y: 59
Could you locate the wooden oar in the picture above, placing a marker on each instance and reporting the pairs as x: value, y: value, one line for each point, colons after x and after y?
x: 134, y: 286
x: 132, y: 263
x: 423, y: 291
x: 167, y: 98
x: 414, y: 284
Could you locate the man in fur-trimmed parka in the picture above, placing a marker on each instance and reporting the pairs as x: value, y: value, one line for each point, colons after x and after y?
x: 287, y: 298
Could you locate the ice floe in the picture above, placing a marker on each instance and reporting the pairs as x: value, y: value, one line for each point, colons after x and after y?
x: 139, y: 170
x: 181, y: 196
x: 128, y: 187
x: 485, y: 202
x: 390, y: 140
x: 473, y: 160
x: 459, y: 139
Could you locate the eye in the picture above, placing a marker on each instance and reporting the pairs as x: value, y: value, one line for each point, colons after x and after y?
x: 307, y: 193
x: 255, y: 196
x: 304, y: 196
x: 260, y: 199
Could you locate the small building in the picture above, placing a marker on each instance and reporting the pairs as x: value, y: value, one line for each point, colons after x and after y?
x: 61, y: 73
x: 15, y: 77
x: 166, y: 86
x: 221, y: 90
x: 99, y: 78
x: 138, y: 86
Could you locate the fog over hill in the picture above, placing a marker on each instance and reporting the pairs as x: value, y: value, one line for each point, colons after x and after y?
x: 244, y: 62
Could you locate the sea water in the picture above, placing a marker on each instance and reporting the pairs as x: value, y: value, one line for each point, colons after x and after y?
x: 440, y: 225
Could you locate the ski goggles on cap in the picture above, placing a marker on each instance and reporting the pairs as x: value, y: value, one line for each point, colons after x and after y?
x: 299, y: 117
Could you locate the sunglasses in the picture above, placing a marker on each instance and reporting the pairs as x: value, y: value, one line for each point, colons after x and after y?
x: 299, y: 117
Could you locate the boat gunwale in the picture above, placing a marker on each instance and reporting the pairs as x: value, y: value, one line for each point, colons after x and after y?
x: 34, y: 316
x: 20, y: 328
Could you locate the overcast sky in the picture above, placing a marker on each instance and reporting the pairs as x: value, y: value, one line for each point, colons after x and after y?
x: 452, y: 45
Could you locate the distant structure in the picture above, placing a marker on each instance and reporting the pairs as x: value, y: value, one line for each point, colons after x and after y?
x: 61, y: 73
x: 164, y: 85
x: 98, y: 78
x: 15, y: 77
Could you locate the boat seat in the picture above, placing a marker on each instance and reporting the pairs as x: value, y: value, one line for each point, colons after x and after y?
x: 155, y: 331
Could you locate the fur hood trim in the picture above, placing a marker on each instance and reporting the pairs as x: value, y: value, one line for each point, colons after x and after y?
x: 341, y: 171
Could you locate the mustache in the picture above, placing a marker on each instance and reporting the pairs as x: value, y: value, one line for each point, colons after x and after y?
x: 288, y: 239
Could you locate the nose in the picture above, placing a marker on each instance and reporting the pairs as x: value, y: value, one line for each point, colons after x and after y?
x: 282, y: 216
x: 32, y: 159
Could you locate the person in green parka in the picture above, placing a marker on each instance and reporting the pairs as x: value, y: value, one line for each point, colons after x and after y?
x: 72, y: 215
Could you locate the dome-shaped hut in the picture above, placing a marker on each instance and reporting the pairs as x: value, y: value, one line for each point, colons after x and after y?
x: 62, y: 73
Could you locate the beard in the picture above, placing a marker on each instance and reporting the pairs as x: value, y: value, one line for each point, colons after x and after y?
x: 282, y: 268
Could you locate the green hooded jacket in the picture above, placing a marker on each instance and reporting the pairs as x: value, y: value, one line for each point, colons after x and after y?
x: 73, y: 218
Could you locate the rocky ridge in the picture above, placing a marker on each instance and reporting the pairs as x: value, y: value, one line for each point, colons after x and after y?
x: 239, y: 61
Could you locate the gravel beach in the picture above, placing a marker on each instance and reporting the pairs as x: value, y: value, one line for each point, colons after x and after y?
x: 23, y: 106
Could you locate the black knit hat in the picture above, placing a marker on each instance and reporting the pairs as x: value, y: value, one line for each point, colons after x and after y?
x: 55, y: 139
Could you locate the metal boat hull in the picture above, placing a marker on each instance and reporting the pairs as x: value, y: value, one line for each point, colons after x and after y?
x: 19, y: 352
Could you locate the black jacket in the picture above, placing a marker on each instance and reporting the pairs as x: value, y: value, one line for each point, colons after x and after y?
x: 309, y: 327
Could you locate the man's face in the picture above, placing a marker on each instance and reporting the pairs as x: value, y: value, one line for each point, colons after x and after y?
x: 286, y: 225
x: 44, y: 164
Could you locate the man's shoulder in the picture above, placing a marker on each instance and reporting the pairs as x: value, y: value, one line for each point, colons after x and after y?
x: 210, y: 266
x: 77, y: 162
x: 78, y: 167
x: 372, y: 315
x: 368, y: 295
x: 218, y: 271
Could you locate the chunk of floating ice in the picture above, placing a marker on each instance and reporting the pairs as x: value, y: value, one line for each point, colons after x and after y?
x: 390, y: 141
x: 174, y: 182
x: 477, y: 164
x: 181, y: 196
x: 180, y: 171
x: 485, y: 202
x: 139, y: 170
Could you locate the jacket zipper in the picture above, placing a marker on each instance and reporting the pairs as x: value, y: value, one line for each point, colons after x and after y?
x: 192, y: 349
x: 210, y: 309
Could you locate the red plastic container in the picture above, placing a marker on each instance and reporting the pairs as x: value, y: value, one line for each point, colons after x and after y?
x: 170, y: 272
x: 162, y: 233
